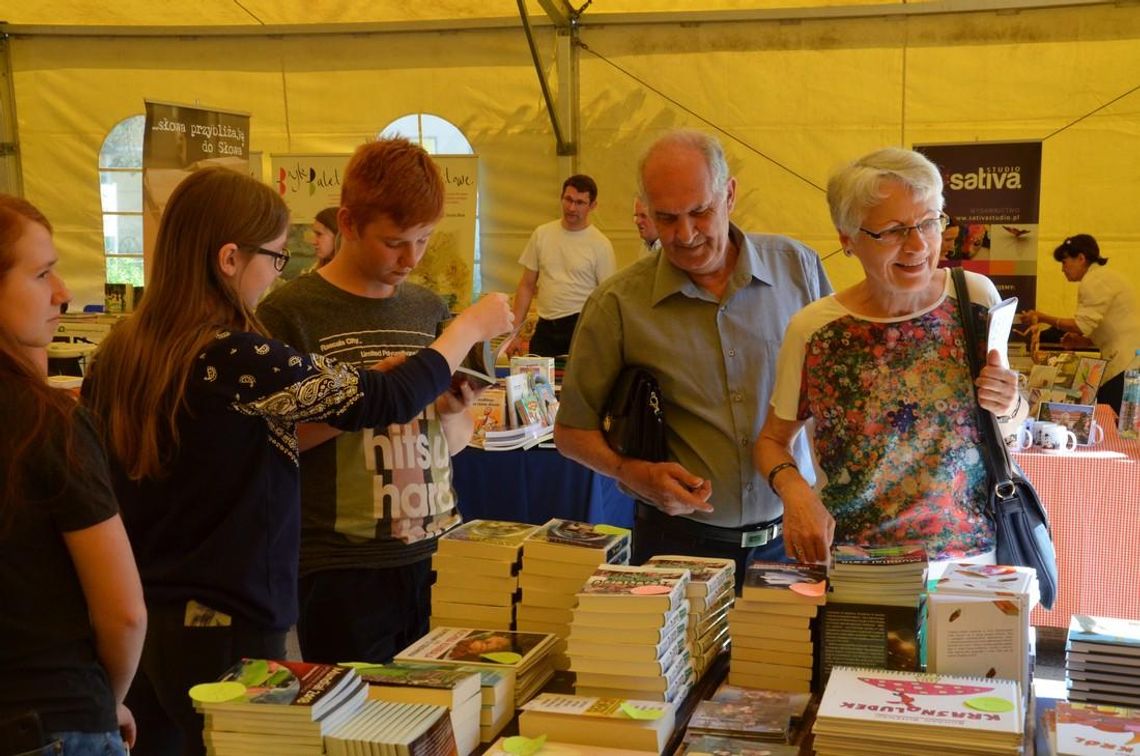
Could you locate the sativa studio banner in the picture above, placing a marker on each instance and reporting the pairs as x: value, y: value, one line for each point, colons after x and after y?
x: 309, y: 183
x: 178, y: 140
x: 993, y: 194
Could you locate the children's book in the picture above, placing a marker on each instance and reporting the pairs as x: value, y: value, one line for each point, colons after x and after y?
x: 1113, y: 636
x: 714, y: 745
x: 942, y: 710
x: 1087, y: 729
x: 742, y: 718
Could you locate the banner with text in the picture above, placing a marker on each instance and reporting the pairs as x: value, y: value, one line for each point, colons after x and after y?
x: 178, y: 140
x: 993, y: 194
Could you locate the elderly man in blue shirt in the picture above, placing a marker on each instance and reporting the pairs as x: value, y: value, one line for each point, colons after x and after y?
x: 706, y: 317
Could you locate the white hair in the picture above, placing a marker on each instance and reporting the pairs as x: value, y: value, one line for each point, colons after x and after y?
x: 707, y: 145
x: 858, y: 186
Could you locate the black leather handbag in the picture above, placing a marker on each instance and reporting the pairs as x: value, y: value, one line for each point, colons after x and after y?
x: 1020, y: 522
x: 634, y: 420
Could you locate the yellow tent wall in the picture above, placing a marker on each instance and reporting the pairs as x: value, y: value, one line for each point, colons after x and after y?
x: 797, y: 99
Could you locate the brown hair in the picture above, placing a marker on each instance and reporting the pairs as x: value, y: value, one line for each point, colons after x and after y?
x: 392, y: 177
x: 43, y: 416
x: 141, y: 368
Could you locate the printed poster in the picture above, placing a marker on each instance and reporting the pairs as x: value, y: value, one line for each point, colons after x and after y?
x: 309, y: 183
x: 993, y: 193
x: 178, y: 140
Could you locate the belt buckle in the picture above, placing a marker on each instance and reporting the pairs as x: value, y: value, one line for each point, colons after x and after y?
x: 761, y: 537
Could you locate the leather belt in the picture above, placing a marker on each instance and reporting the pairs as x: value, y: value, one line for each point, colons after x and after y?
x: 747, y: 537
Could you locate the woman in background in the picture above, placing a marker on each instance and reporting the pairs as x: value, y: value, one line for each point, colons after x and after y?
x: 880, y: 369
x: 1107, y: 314
x: 199, y: 407
x: 72, y: 617
x: 324, y: 236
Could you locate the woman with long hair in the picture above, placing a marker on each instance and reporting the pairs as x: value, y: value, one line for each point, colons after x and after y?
x: 199, y: 409
x: 72, y: 617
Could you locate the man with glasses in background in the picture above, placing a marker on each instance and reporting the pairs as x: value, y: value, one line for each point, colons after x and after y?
x: 564, y: 260
x: 706, y: 317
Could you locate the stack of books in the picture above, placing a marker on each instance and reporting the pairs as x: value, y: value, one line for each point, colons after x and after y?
x: 977, y: 621
x: 711, y: 591
x: 391, y: 728
x: 497, y: 703
x: 872, y: 710
x: 454, y: 688
x: 628, y: 637
x: 1102, y: 660
x: 476, y: 574
x: 599, y: 722
x: 881, y: 575
x: 507, y: 747
x: 522, y: 657
x: 718, y: 745
x: 771, y: 629
x: 873, y: 616
x: 262, y: 706
x: 744, y: 717
x: 556, y: 560
x: 1083, y: 729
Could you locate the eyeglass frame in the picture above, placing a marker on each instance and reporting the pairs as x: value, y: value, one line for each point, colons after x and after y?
x: 280, y: 259
x: 943, y: 223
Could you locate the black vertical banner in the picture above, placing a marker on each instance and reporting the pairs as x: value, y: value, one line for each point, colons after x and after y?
x: 178, y: 140
x: 993, y: 195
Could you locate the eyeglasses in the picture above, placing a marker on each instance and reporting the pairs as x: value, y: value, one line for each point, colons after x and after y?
x: 896, y: 236
x: 280, y: 259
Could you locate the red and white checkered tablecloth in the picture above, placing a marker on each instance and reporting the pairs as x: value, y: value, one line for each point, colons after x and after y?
x: 1092, y: 496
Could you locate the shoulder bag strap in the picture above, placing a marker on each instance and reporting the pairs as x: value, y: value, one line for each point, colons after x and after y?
x: 994, y: 452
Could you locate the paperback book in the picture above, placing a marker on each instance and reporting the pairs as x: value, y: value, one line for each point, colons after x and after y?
x: 781, y: 582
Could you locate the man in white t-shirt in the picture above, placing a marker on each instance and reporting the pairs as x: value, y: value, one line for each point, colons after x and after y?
x: 563, y: 262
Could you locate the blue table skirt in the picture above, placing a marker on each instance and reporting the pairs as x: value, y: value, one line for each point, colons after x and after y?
x: 534, y: 485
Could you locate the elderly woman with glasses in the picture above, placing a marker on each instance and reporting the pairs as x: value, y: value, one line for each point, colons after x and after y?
x: 879, y: 370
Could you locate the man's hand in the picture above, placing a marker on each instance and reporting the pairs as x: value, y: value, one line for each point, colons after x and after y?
x: 667, y: 486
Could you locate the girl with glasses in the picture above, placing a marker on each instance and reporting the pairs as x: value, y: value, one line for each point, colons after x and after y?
x: 199, y: 409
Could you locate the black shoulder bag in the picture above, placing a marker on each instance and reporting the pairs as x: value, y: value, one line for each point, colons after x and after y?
x: 634, y: 421
x: 1021, y: 525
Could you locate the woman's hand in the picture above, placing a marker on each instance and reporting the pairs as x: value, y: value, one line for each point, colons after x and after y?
x: 126, y: 721
x: 809, y: 528
x: 997, y: 386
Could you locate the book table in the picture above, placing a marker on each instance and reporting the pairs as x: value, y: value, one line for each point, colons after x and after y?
x: 1092, y: 496
x: 534, y: 485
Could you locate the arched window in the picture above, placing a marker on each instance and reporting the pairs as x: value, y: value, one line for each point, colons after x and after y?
x: 440, y: 137
x: 120, y: 193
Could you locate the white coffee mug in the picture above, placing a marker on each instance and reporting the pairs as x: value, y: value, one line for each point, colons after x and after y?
x: 1020, y: 439
x: 1054, y: 436
x: 1096, y: 433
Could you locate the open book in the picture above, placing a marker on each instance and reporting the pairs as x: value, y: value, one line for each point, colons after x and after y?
x: 478, y: 367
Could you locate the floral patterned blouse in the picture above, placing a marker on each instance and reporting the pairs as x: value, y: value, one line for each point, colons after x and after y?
x: 896, y: 439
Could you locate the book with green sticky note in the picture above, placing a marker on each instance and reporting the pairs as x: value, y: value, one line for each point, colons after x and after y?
x: 517, y: 745
x: 864, y: 708
x: 280, y: 707
x: 599, y: 722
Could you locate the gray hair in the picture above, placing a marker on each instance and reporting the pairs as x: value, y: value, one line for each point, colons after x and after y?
x: 706, y: 144
x: 858, y: 186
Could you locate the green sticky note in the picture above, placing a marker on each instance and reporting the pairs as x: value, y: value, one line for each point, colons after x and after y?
x: 521, y: 746
x: 611, y: 530
x: 217, y: 692
x: 634, y: 712
x: 377, y: 670
x: 989, y: 703
x: 502, y: 657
